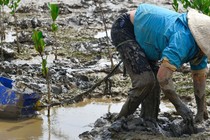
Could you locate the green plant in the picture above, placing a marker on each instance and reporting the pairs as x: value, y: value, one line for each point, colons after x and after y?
x: 39, y: 46
x: 13, y: 6
x: 2, y: 27
x: 201, y: 5
x: 54, y: 11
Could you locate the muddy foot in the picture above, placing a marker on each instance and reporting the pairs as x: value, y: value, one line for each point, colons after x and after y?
x: 180, y: 128
x: 154, y: 127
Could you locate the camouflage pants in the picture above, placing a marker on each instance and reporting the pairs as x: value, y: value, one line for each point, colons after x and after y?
x: 145, y: 88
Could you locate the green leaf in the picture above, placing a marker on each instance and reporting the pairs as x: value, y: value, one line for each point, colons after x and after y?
x: 38, y: 40
x: 48, y: 5
x: 39, y: 47
x: 54, y: 27
x: 13, y: 5
x: 6, y: 2
x: 1, y: 2
x: 175, y: 5
x: 201, y: 5
x: 35, y: 36
x: 42, y: 45
x: 12, y: 12
x: 40, y: 36
x: 54, y: 11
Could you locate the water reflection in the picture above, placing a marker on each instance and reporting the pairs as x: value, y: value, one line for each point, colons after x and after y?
x: 67, y: 123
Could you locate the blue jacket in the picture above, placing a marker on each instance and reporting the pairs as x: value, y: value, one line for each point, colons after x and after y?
x: 163, y: 33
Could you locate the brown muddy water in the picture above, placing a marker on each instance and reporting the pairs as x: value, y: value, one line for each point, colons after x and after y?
x: 65, y: 123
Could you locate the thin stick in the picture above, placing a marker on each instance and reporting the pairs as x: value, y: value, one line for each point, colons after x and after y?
x: 107, y: 37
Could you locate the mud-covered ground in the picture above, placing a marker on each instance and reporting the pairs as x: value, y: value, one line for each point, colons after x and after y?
x: 83, y: 61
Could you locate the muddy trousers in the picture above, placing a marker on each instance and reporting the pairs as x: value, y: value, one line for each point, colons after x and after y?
x: 145, y: 88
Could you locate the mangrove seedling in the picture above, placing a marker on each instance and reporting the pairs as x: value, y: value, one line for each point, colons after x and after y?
x: 201, y: 5
x: 39, y: 46
x: 13, y: 6
x: 54, y: 11
x: 2, y: 27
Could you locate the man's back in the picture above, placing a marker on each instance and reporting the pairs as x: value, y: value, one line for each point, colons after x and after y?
x: 151, y: 24
x: 163, y: 33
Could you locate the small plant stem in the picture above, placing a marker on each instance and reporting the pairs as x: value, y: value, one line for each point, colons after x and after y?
x: 47, y: 77
x: 56, y: 48
x: 49, y: 96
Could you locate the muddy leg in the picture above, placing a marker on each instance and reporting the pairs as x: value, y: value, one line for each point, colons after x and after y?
x: 202, y: 113
x: 137, y: 95
x: 141, y: 74
x: 150, y: 106
x: 199, y: 80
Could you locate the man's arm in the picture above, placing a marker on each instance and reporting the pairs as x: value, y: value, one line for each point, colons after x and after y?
x: 199, y: 83
x: 164, y: 77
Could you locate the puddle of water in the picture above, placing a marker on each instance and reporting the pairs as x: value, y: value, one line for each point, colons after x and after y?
x: 102, y: 63
x: 10, y: 36
x: 103, y: 34
x: 166, y: 106
x: 36, y: 60
x: 65, y: 123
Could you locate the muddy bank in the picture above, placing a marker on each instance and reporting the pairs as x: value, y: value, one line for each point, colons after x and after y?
x: 83, y: 61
